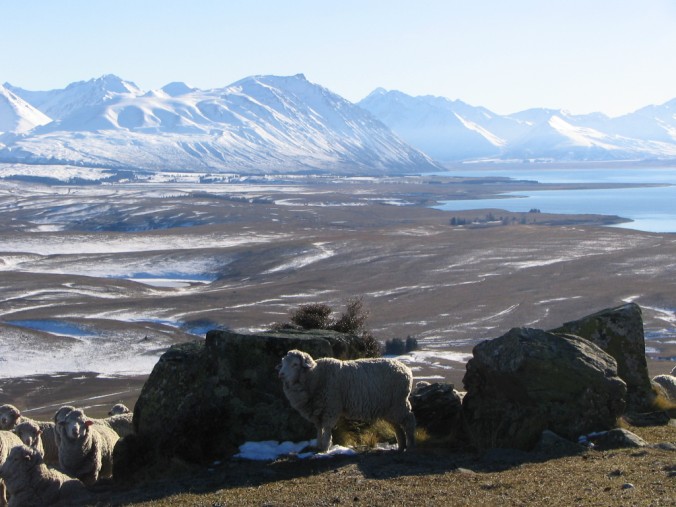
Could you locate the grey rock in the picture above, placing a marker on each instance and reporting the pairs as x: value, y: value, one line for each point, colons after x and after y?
x: 438, y: 409
x: 530, y: 380
x: 617, y: 438
x: 619, y: 332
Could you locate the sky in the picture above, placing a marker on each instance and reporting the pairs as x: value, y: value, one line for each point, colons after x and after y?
x: 612, y: 56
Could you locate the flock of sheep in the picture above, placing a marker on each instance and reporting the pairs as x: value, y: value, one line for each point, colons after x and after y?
x: 49, y: 463
x: 81, y: 448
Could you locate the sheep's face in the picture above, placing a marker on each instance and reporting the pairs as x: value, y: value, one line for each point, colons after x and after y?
x: 8, y: 417
x: 292, y: 366
x: 29, y: 434
x: 61, y: 414
x: 77, y: 426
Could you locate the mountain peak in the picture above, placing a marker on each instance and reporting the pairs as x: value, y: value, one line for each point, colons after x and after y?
x: 177, y: 88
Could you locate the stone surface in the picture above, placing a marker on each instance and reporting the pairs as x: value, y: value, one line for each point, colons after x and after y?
x: 205, y: 398
x: 438, y: 409
x: 617, y: 438
x: 619, y: 332
x: 529, y: 380
x: 552, y: 445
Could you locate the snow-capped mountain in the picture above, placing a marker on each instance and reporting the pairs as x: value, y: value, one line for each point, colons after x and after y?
x: 452, y: 130
x: 17, y: 115
x: 259, y: 124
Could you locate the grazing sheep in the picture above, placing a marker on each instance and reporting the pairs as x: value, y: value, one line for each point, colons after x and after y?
x: 668, y: 385
x: 10, y: 417
x: 118, y: 409
x: 86, y: 448
x: 31, y: 484
x: 364, y: 389
x: 8, y: 440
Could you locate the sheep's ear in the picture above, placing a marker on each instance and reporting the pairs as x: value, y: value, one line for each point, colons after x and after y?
x: 39, y: 432
x: 307, y: 362
x: 88, y: 423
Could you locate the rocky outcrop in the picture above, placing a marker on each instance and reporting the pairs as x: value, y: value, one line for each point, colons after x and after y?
x: 205, y: 398
x: 619, y: 332
x: 529, y: 380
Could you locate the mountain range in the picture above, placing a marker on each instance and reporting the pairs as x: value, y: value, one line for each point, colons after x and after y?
x: 273, y: 124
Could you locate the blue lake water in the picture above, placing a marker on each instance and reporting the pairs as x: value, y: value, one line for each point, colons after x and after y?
x: 651, y: 209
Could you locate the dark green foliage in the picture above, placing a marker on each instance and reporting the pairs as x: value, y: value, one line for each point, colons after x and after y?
x: 351, y: 321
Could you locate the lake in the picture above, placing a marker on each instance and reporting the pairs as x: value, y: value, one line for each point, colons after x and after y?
x: 651, y: 209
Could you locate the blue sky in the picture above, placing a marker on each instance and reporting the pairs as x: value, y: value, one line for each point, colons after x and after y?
x: 613, y: 56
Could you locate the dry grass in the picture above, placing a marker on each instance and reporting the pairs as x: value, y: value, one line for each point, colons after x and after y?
x: 428, y: 476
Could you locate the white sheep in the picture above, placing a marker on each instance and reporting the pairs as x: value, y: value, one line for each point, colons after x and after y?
x: 31, y: 484
x: 122, y: 424
x: 86, y: 448
x: 30, y: 434
x: 668, y: 385
x: 8, y: 440
x: 363, y: 389
x: 59, y: 417
x: 119, y: 408
x: 10, y: 417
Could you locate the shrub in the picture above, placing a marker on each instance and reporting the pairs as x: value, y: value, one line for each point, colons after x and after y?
x: 312, y: 316
x: 397, y: 346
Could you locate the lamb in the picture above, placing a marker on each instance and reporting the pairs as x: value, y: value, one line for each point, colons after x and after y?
x: 119, y: 408
x: 86, y: 448
x: 8, y: 440
x: 364, y: 389
x: 31, y: 484
x: 10, y: 417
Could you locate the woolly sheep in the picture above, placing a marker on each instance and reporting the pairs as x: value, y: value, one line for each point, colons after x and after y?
x: 31, y: 484
x: 668, y: 385
x: 59, y: 417
x: 364, y: 389
x: 10, y: 417
x: 8, y: 440
x: 86, y: 448
x: 119, y: 408
x: 30, y: 434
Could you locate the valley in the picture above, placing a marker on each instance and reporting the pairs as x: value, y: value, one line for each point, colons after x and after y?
x: 98, y: 280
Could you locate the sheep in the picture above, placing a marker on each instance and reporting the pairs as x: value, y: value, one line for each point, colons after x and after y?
x: 363, y: 389
x: 31, y: 484
x: 668, y: 385
x: 119, y: 408
x: 86, y: 448
x: 60, y: 416
x: 8, y: 440
x: 122, y: 424
x: 10, y: 417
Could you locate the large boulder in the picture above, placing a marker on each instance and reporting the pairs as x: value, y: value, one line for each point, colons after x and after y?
x: 619, y: 332
x: 204, y: 399
x: 530, y: 380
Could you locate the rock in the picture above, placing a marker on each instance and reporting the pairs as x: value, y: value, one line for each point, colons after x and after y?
x: 658, y: 418
x: 205, y: 398
x: 530, y: 380
x: 438, y: 409
x: 552, y: 445
x: 619, y: 332
x: 617, y: 438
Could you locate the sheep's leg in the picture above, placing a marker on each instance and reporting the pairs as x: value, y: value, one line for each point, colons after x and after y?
x: 3, y: 495
x: 409, y: 428
x: 324, y: 437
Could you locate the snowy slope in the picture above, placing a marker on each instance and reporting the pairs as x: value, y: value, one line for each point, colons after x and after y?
x: 452, y: 130
x: 16, y: 115
x: 258, y: 124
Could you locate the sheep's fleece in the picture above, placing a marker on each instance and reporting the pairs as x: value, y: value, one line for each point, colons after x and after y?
x: 8, y: 440
x: 31, y: 484
x: 364, y: 389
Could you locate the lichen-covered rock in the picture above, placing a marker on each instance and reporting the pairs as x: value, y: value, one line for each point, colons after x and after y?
x: 619, y: 332
x: 529, y: 380
x: 205, y: 398
x: 438, y: 409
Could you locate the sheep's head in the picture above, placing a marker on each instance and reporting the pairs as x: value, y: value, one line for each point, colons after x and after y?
x: 9, y: 414
x: 29, y: 433
x: 20, y: 459
x: 293, y: 365
x: 120, y: 408
x: 61, y: 414
x: 76, y: 425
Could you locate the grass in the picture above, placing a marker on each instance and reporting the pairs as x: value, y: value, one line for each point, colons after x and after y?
x: 430, y: 475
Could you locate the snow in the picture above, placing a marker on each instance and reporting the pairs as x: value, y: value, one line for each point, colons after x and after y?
x: 270, y: 450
